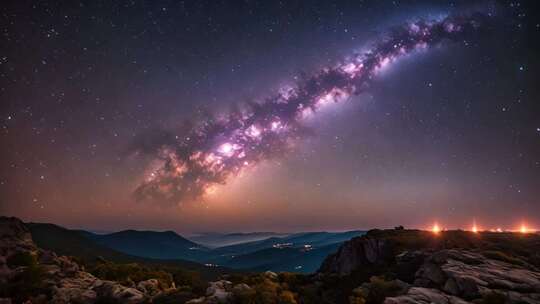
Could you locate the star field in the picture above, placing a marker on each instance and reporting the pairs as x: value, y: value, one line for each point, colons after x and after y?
x: 93, y: 91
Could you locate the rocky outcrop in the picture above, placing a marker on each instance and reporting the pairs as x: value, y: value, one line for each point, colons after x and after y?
x: 470, y: 275
x: 59, y: 279
x: 63, y: 281
x: 436, y: 274
x: 359, y: 252
x: 15, y: 237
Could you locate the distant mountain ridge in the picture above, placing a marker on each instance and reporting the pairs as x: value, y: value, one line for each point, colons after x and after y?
x: 151, y: 244
x: 296, y: 240
x: 79, y: 243
x: 298, y: 252
x: 215, y: 239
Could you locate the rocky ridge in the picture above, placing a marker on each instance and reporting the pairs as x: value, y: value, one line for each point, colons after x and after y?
x: 58, y: 279
x: 49, y: 278
x: 434, y: 274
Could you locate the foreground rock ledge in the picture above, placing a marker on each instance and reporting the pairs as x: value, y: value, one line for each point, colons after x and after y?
x: 438, y: 275
x: 63, y: 278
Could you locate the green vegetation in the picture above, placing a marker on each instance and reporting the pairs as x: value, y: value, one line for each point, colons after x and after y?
x: 73, y: 243
x: 180, y: 295
x: 22, y: 259
x: 369, y: 284
x: 375, y: 291
x: 190, y: 280
x: 130, y: 273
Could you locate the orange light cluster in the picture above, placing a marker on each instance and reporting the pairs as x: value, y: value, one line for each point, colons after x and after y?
x: 436, y: 229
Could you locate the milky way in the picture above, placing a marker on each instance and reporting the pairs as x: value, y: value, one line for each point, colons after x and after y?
x: 212, y: 151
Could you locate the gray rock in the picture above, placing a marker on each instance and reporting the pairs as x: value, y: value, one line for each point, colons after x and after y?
x: 150, y: 287
x: 64, y: 278
x: 14, y: 237
x: 470, y: 275
x: 115, y: 291
x: 438, y: 275
x: 67, y: 295
x: 431, y: 275
x: 420, y: 295
x: 356, y: 253
x: 271, y: 275
x: 241, y: 288
x: 219, y: 292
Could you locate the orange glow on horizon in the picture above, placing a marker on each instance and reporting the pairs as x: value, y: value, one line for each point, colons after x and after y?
x: 474, y: 228
x: 436, y: 229
x: 523, y: 229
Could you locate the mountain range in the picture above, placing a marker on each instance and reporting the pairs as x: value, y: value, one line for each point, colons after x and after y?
x: 297, y: 252
x: 80, y: 244
x: 396, y: 266
x: 216, y: 239
x: 151, y: 244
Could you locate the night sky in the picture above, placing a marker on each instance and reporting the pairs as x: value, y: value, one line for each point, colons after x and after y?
x: 270, y: 115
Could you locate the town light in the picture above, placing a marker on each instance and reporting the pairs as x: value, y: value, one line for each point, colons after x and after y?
x: 436, y: 229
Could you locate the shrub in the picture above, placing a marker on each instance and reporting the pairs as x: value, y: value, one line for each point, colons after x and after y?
x: 376, y: 291
x: 266, y: 292
x: 190, y: 278
x: 173, y: 297
x: 128, y: 274
x: 22, y: 259
x: 287, y: 297
x: 244, y: 296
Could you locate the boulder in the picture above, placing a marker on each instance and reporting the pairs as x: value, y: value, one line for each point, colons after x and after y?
x: 115, y: 291
x: 150, y: 287
x: 429, y: 275
x: 241, y: 288
x: 271, y: 275
x: 219, y: 292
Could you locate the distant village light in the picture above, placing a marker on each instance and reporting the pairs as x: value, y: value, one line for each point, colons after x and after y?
x: 435, y: 229
x: 474, y: 228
